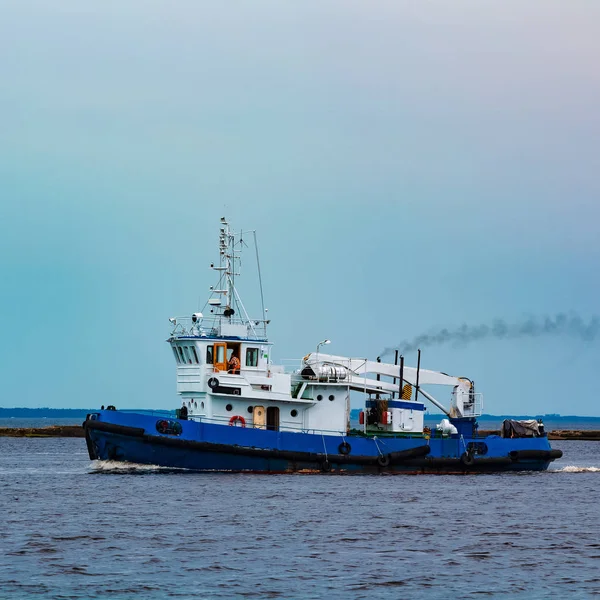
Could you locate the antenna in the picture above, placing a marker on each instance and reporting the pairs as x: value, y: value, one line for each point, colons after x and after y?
x: 262, y: 299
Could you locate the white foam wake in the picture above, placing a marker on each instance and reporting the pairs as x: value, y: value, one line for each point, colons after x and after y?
x: 574, y: 469
x: 116, y: 466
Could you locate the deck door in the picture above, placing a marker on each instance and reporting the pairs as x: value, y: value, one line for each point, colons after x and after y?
x: 220, y: 357
x: 258, y: 417
x: 273, y: 418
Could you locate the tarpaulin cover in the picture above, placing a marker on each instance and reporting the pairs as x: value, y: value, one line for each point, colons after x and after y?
x: 514, y: 429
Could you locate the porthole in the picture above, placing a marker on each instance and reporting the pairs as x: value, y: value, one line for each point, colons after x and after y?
x: 202, y: 404
x: 332, y: 397
x: 294, y: 413
x: 319, y: 397
x: 250, y: 409
x: 229, y: 408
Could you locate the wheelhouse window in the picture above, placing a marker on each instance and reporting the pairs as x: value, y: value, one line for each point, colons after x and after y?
x: 181, y: 354
x: 187, y: 356
x: 252, y: 357
x: 195, y: 355
x: 175, y: 353
x: 209, y: 355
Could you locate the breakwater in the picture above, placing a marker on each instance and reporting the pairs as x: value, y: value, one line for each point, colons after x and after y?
x: 70, y: 431
x: 76, y: 431
x: 557, y: 434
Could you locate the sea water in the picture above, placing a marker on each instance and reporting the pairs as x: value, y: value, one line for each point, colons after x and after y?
x: 72, y: 528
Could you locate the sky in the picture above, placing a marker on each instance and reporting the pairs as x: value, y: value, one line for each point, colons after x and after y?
x: 407, y: 166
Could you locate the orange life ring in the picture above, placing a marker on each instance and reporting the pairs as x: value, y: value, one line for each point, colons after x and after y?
x: 237, y: 418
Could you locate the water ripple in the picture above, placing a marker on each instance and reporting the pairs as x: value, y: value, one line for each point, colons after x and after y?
x: 69, y: 531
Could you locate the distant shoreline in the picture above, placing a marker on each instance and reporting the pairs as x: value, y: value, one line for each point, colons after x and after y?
x: 70, y: 431
x: 73, y: 413
x: 76, y: 431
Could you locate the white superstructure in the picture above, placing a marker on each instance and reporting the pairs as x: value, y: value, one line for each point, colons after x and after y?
x: 225, y: 374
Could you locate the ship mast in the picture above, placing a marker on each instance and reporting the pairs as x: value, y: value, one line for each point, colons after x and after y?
x: 226, y: 262
x: 226, y: 285
x: 231, y: 301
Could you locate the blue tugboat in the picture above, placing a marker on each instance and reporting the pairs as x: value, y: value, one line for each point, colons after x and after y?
x: 241, y: 412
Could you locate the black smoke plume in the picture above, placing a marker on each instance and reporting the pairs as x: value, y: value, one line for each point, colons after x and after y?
x: 559, y: 325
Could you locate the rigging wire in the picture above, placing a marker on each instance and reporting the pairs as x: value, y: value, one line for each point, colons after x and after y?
x: 262, y: 299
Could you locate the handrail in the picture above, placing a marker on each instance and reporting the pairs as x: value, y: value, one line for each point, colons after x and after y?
x: 473, y: 408
x: 225, y: 421
x: 256, y: 330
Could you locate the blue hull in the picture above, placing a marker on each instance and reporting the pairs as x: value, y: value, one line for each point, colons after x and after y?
x: 145, y: 439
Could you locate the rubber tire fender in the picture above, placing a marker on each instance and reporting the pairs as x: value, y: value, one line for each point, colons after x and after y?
x: 213, y: 383
x: 344, y: 448
x: 467, y: 460
x: 383, y: 460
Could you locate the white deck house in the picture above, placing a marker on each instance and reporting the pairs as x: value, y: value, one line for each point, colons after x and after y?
x: 225, y: 374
